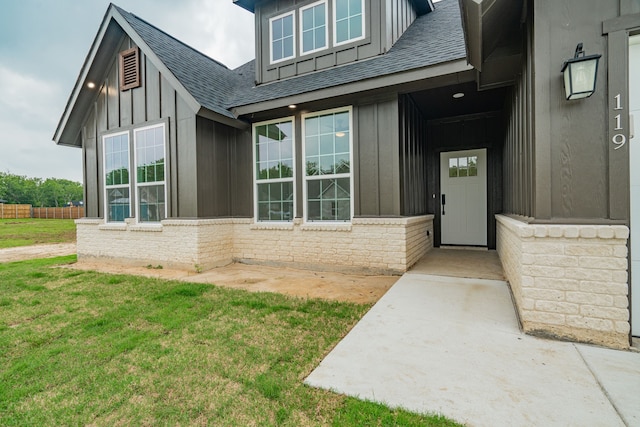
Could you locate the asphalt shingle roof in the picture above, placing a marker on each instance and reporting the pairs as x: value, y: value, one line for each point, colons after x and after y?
x: 209, y: 82
x: 434, y: 38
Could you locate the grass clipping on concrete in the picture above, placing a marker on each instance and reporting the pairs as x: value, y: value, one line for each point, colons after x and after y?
x: 84, y: 348
x: 25, y: 232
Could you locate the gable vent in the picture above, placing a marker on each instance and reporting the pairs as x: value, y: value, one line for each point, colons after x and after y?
x: 130, y: 69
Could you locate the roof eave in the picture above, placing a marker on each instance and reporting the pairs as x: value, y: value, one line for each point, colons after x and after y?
x: 471, y: 11
x: 452, y: 67
x: 82, y: 78
x: 249, y: 5
x: 422, y: 6
x: 80, y: 88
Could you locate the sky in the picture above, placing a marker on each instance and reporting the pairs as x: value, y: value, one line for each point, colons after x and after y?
x: 43, y: 44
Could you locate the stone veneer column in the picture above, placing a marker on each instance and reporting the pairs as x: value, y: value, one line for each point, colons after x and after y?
x: 569, y: 281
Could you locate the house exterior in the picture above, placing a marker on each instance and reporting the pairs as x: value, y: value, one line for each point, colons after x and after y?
x: 367, y: 132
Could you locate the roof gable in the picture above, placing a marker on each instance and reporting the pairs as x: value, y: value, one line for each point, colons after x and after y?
x: 201, y: 81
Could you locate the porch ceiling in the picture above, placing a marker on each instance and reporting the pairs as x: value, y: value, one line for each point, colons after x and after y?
x: 439, y: 102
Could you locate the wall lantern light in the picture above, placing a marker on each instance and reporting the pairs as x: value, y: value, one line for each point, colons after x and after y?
x: 580, y: 74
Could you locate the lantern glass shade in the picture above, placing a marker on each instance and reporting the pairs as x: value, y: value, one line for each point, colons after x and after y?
x: 580, y: 76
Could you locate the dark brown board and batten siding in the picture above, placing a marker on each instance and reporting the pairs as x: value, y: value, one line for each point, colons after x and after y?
x: 153, y: 102
x: 224, y: 164
x: 385, y: 22
x: 572, y: 149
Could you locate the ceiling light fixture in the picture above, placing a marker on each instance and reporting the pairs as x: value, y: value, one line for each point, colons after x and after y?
x: 458, y: 95
x: 292, y: 106
x: 91, y: 85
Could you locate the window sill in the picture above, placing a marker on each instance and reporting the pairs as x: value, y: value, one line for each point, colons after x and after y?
x: 146, y: 227
x: 330, y: 226
x: 272, y: 226
x: 113, y: 226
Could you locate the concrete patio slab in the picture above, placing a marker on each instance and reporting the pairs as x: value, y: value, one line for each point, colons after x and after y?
x: 452, y: 346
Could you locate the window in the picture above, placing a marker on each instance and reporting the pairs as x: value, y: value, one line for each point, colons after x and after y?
x: 116, y: 169
x: 463, y: 167
x: 150, y: 174
x: 274, y: 170
x: 282, y: 37
x: 130, y: 69
x: 349, y: 21
x: 313, y: 27
x: 327, y: 155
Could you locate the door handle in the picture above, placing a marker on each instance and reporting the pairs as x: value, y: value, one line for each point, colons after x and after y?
x: 444, y: 202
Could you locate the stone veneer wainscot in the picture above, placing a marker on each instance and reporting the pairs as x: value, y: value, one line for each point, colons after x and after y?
x: 366, y: 245
x: 568, y: 281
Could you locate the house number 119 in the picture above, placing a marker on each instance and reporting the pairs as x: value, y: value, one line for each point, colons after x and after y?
x: 618, y: 139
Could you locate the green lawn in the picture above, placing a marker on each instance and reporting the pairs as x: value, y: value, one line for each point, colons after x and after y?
x: 25, y: 232
x: 83, y: 348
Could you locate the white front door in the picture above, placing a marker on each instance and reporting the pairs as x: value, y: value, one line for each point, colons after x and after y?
x: 634, y: 172
x: 463, y: 197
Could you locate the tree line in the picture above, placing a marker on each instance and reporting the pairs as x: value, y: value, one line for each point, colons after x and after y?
x: 50, y: 192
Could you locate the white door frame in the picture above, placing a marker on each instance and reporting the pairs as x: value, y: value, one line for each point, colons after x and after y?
x: 634, y: 184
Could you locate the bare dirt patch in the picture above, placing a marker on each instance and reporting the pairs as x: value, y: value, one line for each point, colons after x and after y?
x: 22, y: 253
x: 257, y: 278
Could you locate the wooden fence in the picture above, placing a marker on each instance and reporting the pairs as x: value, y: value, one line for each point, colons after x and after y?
x: 69, y: 212
x: 14, y: 211
x: 26, y: 211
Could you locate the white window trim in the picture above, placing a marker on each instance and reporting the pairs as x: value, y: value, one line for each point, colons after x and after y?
x: 303, y: 118
x: 326, y: 27
x: 104, y: 175
x: 335, y: 26
x: 255, y: 176
x: 293, y: 15
x: 148, y: 184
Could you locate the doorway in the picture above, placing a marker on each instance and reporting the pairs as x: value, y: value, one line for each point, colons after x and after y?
x: 634, y: 172
x: 463, y: 193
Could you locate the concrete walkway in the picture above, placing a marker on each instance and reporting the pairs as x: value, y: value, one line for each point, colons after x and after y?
x: 452, y: 346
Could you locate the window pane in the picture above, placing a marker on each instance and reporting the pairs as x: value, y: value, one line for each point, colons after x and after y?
x: 277, y: 50
x: 473, y: 166
x: 331, y: 201
x: 462, y: 166
x: 287, y: 26
x: 307, y: 41
x: 355, y: 24
x: 287, y: 47
x: 342, y: 163
x: 319, y: 39
x: 319, y: 15
x: 342, y: 9
x: 342, y: 31
x: 117, y: 204
x: 151, y: 203
x: 355, y: 7
x: 276, y: 29
x: 307, y: 19
x: 326, y: 144
x: 116, y: 160
x: 313, y: 166
x: 311, y: 126
x: 453, y: 168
